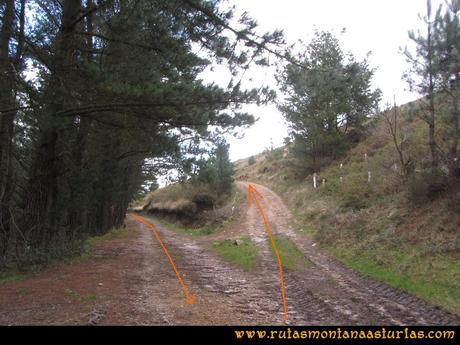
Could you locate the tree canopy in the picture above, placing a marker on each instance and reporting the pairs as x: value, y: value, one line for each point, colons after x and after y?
x: 99, y: 95
x: 327, y: 93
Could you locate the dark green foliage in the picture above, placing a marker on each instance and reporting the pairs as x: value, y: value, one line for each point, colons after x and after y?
x: 447, y: 34
x: 353, y: 202
x: 454, y: 195
x: 435, y: 74
x: 424, y: 79
x: 427, y: 186
x: 252, y: 160
x: 329, y: 94
x: 224, y: 169
x: 314, y: 152
x: 273, y: 154
x: 117, y: 100
x: 217, y: 171
x: 204, y: 200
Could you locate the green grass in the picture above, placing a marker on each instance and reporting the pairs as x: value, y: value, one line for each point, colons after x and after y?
x: 86, y: 302
x: 199, y: 231
x: 434, y: 279
x: 21, y: 273
x: 14, y: 275
x: 90, y: 243
x: 290, y: 255
x: 113, y: 234
x: 204, y: 230
x: 244, y: 254
x: 76, y: 296
x: 373, y: 228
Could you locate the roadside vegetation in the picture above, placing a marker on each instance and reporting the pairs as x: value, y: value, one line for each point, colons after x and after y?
x: 240, y: 251
x: 98, y: 99
x: 25, y: 272
x: 206, y: 223
x: 379, y: 228
x: 290, y: 254
x: 387, y: 202
x: 203, y: 201
x: 90, y: 243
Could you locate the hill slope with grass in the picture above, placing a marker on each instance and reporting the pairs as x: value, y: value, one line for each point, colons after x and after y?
x: 191, y: 208
x: 403, y: 230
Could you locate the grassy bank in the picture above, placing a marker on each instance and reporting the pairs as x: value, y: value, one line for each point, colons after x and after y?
x: 434, y: 279
x: 89, y: 244
x: 377, y: 228
x: 201, y: 223
x: 197, y: 230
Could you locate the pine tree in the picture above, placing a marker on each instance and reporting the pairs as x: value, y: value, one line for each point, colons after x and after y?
x: 11, y: 64
x: 447, y: 36
x: 116, y: 100
x: 327, y: 94
x: 424, y: 78
x: 216, y: 172
x: 224, y: 168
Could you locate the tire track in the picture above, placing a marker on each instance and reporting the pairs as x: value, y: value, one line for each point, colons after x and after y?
x: 359, y: 299
x: 327, y: 293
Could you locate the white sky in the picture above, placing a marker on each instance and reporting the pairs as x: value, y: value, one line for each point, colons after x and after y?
x: 379, y: 26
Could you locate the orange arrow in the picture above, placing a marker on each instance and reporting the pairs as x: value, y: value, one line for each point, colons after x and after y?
x: 190, y: 299
x: 254, y: 193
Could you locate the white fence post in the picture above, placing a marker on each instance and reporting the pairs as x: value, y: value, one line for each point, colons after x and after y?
x: 315, y: 185
x: 369, y: 174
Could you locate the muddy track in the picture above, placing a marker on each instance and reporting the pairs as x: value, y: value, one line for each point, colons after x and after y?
x: 130, y: 281
x: 329, y: 293
x: 326, y: 293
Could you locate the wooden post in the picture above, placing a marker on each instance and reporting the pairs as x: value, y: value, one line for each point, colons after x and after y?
x: 369, y: 176
x: 315, y: 185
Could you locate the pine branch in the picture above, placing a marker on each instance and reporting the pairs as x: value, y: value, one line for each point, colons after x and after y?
x: 239, y: 34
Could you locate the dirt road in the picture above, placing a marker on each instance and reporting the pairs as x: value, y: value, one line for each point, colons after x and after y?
x: 130, y: 281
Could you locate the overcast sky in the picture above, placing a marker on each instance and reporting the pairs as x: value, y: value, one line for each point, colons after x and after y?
x: 379, y: 26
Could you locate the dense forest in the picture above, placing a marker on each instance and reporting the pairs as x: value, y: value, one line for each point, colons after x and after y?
x: 98, y: 96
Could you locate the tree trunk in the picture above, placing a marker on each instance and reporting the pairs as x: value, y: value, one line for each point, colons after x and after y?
x: 6, y: 125
x: 81, y: 186
x: 49, y: 182
x: 454, y: 161
x: 431, y: 107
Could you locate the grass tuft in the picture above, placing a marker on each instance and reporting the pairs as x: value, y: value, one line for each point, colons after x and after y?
x: 14, y: 275
x: 290, y: 255
x: 244, y: 253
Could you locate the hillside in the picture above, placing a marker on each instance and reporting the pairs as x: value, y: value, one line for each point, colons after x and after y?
x: 391, y: 228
